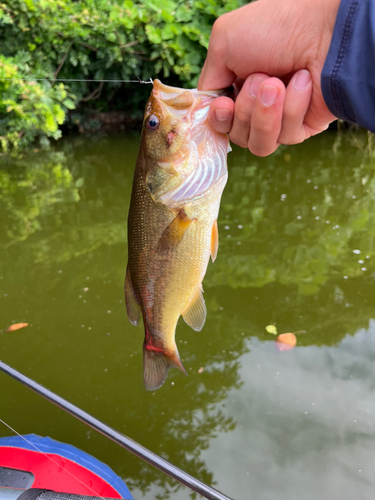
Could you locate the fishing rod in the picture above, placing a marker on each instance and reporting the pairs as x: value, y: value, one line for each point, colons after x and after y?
x: 127, y: 443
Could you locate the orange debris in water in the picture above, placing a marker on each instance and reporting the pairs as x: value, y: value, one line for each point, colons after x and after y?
x: 17, y: 326
x: 286, y: 341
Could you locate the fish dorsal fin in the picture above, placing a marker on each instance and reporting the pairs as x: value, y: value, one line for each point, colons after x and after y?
x: 195, y: 314
x: 132, y: 307
x: 174, y: 233
x: 214, y: 241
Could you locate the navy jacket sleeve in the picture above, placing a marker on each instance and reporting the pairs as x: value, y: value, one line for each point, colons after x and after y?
x: 348, y: 77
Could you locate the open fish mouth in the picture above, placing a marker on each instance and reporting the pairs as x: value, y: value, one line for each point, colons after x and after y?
x: 166, y: 92
x: 191, y: 104
x: 207, y: 149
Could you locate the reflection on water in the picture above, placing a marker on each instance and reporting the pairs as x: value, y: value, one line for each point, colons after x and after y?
x: 305, y: 422
x: 296, y: 249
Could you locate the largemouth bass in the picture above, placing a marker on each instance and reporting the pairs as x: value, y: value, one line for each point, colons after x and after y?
x: 179, y: 178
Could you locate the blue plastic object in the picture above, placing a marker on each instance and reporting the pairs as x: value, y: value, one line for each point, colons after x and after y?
x: 48, y: 445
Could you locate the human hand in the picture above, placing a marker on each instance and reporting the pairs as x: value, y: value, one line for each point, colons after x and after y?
x: 288, y: 40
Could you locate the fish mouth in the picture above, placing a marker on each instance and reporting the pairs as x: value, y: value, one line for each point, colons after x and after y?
x: 207, y: 149
x: 183, y: 99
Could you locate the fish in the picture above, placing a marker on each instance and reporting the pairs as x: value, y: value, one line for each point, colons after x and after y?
x: 179, y: 177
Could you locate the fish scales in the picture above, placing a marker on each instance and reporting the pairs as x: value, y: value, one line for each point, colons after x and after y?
x: 179, y: 178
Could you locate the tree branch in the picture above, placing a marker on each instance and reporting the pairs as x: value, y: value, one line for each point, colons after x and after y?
x: 61, y: 64
x: 95, y: 94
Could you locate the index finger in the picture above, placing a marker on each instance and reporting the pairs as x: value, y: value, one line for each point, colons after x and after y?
x: 215, y: 74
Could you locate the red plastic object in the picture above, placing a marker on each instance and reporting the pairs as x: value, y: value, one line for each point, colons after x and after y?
x: 56, y: 473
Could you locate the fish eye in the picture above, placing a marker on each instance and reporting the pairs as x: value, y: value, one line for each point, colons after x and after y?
x: 152, y: 123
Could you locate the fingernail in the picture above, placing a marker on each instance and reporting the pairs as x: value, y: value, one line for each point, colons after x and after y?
x: 301, y: 80
x: 254, y: 86
x: 222, y: 114
x: 268, y: 95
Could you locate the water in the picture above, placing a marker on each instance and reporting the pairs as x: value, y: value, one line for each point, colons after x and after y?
x: 296, y: 250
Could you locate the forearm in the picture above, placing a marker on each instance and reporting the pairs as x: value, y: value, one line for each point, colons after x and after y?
x: 348, y: 77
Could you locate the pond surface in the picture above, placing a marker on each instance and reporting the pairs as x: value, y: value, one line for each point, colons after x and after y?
x: 297, y: 250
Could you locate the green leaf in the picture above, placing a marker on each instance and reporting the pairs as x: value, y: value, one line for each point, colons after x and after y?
x: 68, y: 103
x: 167, y: 33
x: 167, y: 16
x: 184, y: 14
x: 153, y: 34
x: 271, y: 329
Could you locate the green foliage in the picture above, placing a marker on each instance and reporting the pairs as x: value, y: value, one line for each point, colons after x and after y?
x: 93, y: 39
x: 28, y: 109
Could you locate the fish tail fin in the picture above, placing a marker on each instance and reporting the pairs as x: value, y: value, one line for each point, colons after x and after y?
x: 156, y: 363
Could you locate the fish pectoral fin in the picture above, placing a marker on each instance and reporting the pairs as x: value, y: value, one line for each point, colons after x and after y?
x: 214, y: 241
x: 174, y: 233
x: 195, y: 314
x: 132, y: 307
x: 156, y: 364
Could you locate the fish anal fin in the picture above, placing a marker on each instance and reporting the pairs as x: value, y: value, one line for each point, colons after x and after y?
x: 132, y: 307
x: 174, y: 233
x: 175, y: 361
x: 156, y: 364
x: 214, y: 241
x: 195, y: 314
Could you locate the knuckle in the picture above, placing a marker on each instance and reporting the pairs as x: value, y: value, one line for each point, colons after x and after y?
x: 219, y: 25
x: 265, y: 121
x: 218, y: 33
x: 239, y: 141
x: 265, y: 127
x: 261, y: 149
x: 218, y: 44
x: 293, y: 115
x: 242, y: 117
x: 289, y: 139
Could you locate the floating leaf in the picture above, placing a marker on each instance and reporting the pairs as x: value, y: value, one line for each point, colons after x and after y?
x: 271, y: 329
x: 286, y: 341
x: 17, y: 326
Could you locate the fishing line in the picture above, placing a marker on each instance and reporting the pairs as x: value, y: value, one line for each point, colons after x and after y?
x: 49, y: 458
x: 73, y: 80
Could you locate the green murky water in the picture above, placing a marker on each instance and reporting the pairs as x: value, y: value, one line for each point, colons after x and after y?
x: 297, y: 249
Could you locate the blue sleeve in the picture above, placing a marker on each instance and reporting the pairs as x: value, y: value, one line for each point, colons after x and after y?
x: 348, y: 77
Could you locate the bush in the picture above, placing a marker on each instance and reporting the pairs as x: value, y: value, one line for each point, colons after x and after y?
x: 93, y: 39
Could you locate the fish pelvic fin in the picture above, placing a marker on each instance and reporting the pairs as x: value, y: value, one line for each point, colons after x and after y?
x: 214, y: 241
x: 174, y: 233
x: 156, y: 364
x: 132, y: 307
x: 196, y: 312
